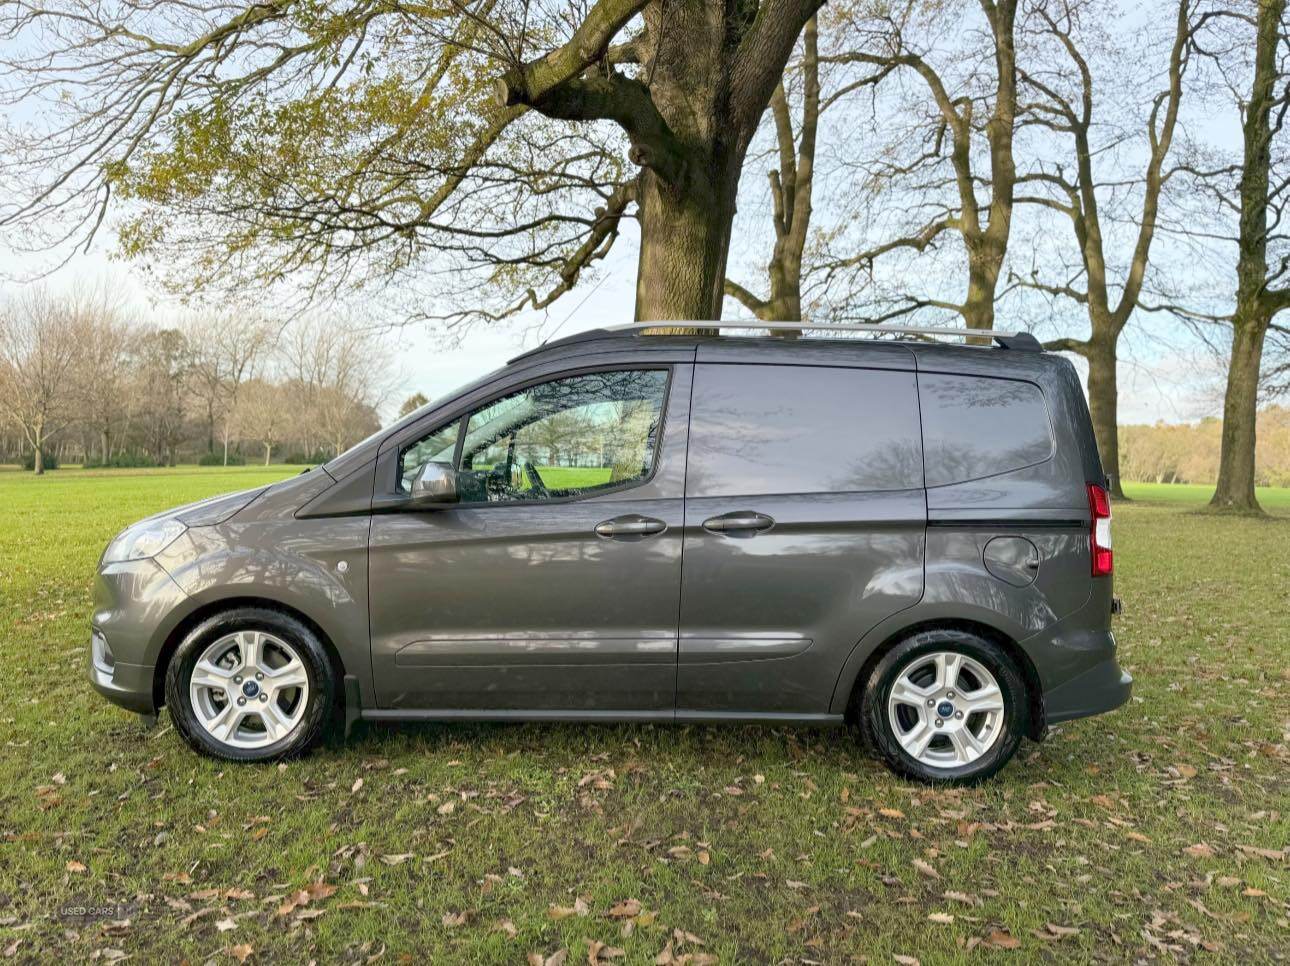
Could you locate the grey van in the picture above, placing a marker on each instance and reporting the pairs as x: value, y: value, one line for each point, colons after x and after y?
x: 635, y: 525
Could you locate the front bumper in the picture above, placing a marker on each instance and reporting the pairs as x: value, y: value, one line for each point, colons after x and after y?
x: 133, y: 602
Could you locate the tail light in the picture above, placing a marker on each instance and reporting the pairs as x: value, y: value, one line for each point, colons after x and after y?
x: 1099, y: 537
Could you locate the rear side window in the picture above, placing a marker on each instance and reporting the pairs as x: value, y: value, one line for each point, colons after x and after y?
x: 760, y: 430
x: 975, y: 426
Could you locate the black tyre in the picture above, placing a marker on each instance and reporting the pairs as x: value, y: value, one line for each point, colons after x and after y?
x: 250, y: 684
x: 945, y: 706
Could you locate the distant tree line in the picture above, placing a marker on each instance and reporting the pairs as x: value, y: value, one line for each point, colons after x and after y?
x: 1189, y: 452
x: 81, y: 380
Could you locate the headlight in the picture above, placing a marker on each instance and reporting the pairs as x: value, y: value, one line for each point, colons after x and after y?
x: 143, y: 540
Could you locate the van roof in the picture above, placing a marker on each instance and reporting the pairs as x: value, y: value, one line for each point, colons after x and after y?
x: 1015, y: 341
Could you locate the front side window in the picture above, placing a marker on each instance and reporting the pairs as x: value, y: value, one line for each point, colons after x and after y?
x: 563, y: 438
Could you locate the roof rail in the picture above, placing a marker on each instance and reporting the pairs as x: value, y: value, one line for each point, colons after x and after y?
x: 1022, y: 341
x: 1018, y: 341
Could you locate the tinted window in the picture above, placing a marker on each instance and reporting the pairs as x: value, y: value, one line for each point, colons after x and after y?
x: 802, y: 429
x: 975, y: 426
x: 556, y: 439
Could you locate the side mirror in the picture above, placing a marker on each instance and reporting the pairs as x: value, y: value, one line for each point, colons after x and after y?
x: 435, y: 483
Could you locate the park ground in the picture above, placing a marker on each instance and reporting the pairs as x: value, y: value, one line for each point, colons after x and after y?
x: 1161, y: 831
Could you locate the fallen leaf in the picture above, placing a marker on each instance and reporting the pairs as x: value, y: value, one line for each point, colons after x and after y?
x: 241, y: 952
x: 398, y: 859
x: 506, y: 926
x: 1187, y: 771
x: 941, y: 918
x: 1002, y: 939
x: 358, y: 783
x: 926, y: 869
x: 76, y: 867
x: 451, y: 920
x: 1200, y: 850
x: 627, y: 909
x: 891, y: 813
x: 1273, y: 854
x: 224, y: 925
x: 579, y: 908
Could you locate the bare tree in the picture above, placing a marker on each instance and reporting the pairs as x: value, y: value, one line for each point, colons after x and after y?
x: 791, y: 189
x: 226, y: 348
x: 1064, y: 98
x: 161, y: 387
x: 954, y: 161
x: 102, y: 379
x: 260, y: 414
x: 340, y: 372
x: 1262, y: 289
x: 40, y: 339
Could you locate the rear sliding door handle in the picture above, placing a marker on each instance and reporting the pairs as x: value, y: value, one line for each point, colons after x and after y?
x: 630, y: 526
x: 740, y: 521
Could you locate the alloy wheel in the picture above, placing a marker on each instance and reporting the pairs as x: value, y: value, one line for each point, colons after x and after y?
x: 249, y: 689
x: 945, y: 709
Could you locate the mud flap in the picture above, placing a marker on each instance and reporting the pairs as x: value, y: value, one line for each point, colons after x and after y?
x: 353, y: 704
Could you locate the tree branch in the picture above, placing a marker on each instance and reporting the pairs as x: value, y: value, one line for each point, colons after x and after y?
x: 528, y: 83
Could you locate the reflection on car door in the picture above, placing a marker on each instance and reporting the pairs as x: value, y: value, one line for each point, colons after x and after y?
x: 554, y: 585
x: 804, y: 522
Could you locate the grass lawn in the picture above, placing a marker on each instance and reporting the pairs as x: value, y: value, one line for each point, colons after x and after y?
x: 1159, y: 831
x: 1272, y: 499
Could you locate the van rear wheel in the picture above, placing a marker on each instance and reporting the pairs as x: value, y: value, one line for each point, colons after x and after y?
x: 250, y: 684
x: 945, y: 706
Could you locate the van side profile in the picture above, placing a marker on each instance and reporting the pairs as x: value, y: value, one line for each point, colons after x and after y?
x: 629, y: 524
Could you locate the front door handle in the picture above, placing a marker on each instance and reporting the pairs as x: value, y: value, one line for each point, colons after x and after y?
x: 738, y: 521
x: 630, y: 526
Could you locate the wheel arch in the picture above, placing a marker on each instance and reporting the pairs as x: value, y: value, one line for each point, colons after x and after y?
x: 209, y: 609
x: 852, y: 687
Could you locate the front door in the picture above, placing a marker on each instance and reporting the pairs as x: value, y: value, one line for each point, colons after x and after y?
x: 805, y: 519
x: 553, y: 584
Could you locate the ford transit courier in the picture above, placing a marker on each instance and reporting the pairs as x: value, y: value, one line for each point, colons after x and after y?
x: 626, y: 525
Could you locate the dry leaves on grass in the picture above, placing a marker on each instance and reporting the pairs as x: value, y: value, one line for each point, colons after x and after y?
x: 926, y: 869
x: 555, y: 959
x: 598, y: 952
x: 1002, y: 939
x: 314, y: 892
x: 1053, y: 932
x: 579, y: 908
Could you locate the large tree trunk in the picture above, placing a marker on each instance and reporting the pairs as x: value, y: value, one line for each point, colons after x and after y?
x: 684, y: 242
x: 983, y: 279
x: 1103, y: 397
x: 38, y: 460
x: 1255, y: 302
x: 1235, y: 490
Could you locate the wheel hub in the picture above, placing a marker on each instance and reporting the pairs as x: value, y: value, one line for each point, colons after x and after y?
x: 250, y: 688
x: 945, y: 709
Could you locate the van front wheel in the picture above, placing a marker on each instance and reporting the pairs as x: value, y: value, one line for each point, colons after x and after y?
x: 945, y: 706
x: 250, y: 684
